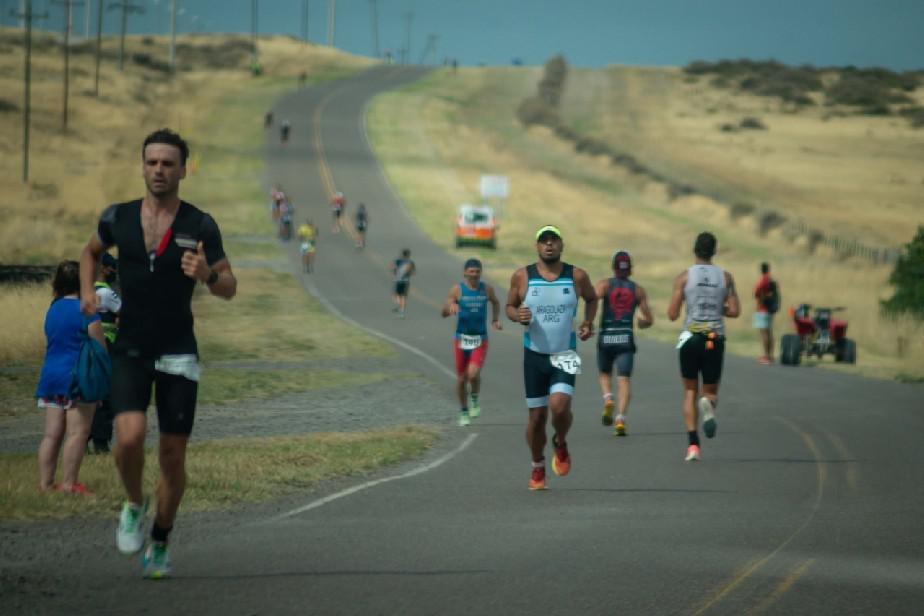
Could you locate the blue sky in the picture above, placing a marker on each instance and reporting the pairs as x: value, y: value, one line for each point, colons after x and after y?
x: 589, y: 33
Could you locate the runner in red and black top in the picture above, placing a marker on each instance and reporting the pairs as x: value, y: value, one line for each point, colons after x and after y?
x: 165, y: 247
x: 619, y: 297
x: 337, y: 206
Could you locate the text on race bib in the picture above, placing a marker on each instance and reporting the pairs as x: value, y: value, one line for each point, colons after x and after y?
x: 468, y: 343
x: 616, y: 339
x: 567, y: 361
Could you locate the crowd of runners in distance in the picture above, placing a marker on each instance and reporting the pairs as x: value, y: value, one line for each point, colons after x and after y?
x: 543, y: 298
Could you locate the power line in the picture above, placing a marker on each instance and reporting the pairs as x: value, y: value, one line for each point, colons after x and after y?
x: 429, y: 48
x: 127, y: 8
x: 26, y: 17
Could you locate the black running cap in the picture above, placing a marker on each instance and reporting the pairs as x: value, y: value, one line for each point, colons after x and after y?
x: 472, y: 263
x: 622, y: 263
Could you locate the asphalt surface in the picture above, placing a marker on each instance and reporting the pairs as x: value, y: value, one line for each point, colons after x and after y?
x: 808, y: 501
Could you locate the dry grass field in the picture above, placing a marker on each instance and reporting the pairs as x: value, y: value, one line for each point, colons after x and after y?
x: 438, y: 136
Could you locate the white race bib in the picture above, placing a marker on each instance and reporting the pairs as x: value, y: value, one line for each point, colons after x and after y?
x: 468, y: 343
x: 567, y: 361
x: 616, y: 339
x: 684, y: 336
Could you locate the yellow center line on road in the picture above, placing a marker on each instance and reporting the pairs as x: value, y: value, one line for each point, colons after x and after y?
x: 327, y: 179
x: 821, y: 476
x: 782, y: 588
x: 850, y: 470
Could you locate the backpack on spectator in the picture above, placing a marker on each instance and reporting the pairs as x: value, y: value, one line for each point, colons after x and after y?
x: 771, y: 300
x: 92, y: 375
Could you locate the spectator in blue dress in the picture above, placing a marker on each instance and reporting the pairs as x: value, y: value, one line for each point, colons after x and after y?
x: 64, y: 325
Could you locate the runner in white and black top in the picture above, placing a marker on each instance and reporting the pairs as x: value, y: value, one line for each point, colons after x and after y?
x: 362, y: 224
x: 403, y: 269
x: 619, y: 297
x: 709, y: 293
x: 544, y: 298
x: 165, y: 247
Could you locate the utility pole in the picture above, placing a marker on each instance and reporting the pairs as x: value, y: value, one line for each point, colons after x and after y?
x: 254, y: 28
x: 331, y: 21
x: 375, y: 26
x: 173, y: 36
x: 304, y: 21
x: 68, y: 13
x: 407, y: 43
x: 99, y: 43
x: 429, y: 48
x: 26, y: 17
x: 127, y: 7
x: 88, y: 7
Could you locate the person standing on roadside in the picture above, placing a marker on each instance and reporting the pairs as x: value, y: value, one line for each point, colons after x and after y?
x: 308, y: 236
x: 403, y: 269
x: 66, y: 420
x: 767, y: 294
x: 620, y: 297
x: 469, y: 301
x: 710, y: 295
x: 108, y: 305
x: 166, y: 246
x: 543, y: 297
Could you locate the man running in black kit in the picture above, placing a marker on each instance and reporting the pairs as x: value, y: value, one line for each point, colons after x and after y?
x: 165, y: 247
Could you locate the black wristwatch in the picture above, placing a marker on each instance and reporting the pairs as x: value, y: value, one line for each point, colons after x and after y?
x: 212, y: 279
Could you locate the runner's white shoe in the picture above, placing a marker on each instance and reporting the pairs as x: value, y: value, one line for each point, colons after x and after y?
x: 130, y: 533
x: 463, y: 419
x: 707, y: 410
x: 692, y: 453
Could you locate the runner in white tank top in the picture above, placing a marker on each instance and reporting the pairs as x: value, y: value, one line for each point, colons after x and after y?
x: 710, y: 296
x: 544, y: 297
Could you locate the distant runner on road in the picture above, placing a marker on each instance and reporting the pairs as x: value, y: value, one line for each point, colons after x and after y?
x: 709, y: 293
x: 544, y: 298
x: 619, y: 296
x: 469, y: 301
x: 403, y: 270
x: 362, y: 223
x: 166, y: 247
x: 337, y: 205
x: 308, y: 236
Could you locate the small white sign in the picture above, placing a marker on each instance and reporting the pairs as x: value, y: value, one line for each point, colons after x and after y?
x: 494, y: 186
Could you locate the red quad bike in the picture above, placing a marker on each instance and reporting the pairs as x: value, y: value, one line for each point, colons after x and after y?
x: 817, y: 336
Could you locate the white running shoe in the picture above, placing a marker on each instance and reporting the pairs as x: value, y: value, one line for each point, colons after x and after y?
x: 474, y: 409
x: 155, y: 563
x: 692, y: 453
x: 130, y: 533
x: 464, y: 419
x: 707, y: 410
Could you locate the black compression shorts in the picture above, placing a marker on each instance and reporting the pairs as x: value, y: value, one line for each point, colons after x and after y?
x: 696, y: 358
x: 175, y: 396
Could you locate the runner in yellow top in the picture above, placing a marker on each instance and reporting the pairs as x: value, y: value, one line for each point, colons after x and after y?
x: 308, y: 236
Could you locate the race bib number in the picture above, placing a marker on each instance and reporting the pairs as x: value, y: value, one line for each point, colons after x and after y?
x: 614, y: 339
x: 469, y: 343
x: 567, y: 361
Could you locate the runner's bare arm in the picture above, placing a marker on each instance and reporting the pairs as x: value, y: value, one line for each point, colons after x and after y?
x: 515, y: 311
x: 732, y: 303
x: 647, y: 319
x: 673, y: 308
x: 89, y: 263
x: 495, y: 308
x: 589, y: 295
x: 451, y: 305
x: 600, y: 288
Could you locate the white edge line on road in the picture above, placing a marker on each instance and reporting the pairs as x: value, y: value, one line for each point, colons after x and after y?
x: 417, y: 471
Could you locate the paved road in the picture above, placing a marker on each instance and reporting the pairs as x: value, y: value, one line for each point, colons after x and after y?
x: 808, y: 501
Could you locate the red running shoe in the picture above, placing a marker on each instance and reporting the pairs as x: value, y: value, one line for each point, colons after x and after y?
x: 77, y: 488
x: 561, y: 461
x: 537, y: 479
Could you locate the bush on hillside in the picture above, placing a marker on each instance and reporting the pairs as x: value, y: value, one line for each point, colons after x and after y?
x: 908, y: 279
x: 534, y: 110
x: 7, y: 107
x: 552, y: 86
x: 864, y: 90
x: 915, y: 115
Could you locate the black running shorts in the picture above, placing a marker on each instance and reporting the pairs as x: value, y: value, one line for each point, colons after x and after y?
x: 401, y: 288
x: 623, y: 358
x: 175, y: 396
x: 541, y: 379
x: 696, y: 358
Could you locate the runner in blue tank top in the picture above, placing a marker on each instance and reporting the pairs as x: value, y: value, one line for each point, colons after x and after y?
x: 616, y: 343
x: 543, y: 297
x: 469, y: 301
